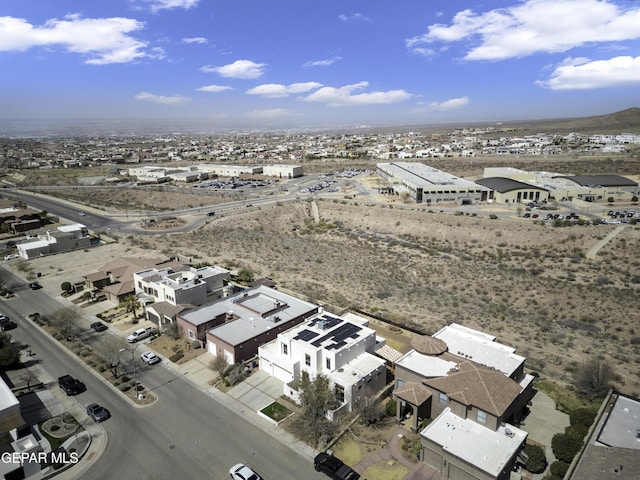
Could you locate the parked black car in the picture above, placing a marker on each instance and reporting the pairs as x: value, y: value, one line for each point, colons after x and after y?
x: 35, y: 286
x: 6, y: 323
x: 334, y: 467
x: 99, y: 326
x: 70, y: 385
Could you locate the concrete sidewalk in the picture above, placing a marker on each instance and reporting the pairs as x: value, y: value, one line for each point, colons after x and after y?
x: 89, y: 443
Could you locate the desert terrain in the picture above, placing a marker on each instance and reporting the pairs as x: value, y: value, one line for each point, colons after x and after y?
x: 528, y: 283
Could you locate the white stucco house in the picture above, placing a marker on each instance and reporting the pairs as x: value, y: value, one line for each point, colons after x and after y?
x: 191, y: 286
x: 337, y: 347
x: 63, y: 239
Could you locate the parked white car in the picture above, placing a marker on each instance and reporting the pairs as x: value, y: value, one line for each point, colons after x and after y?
x: 242, y: 472
x: 150, y: 358
x: 140, y: 334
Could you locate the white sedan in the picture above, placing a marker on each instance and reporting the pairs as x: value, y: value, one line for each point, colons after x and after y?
x: 242, y: 472
x: 150, y: 358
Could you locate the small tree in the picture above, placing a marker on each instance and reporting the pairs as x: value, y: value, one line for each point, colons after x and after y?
x: 9, y: 352
x: 109, y: 351
x: 390, y: 408
x: 220, y: 364
x: 316, y: 398
x: 66, y: 287
x: 244, y: 275
x: 173, y: 330
x: 537, y: 461
x: 65, y: 321
x: 370, y: 412
x: 565, y: 446
x: 593, y: 377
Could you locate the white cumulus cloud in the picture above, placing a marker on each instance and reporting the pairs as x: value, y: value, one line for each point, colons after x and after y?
x: 276, y: 90
x: 158, y: 5
x: 584, y: 74
x: 354, y: 17
x: 533, y: 26
x: 322, y: 63
x: 244, y: 69
x: 214, y: 88
x: 451, y: 104
x: 345, y: 96
x: 101, y: 40
x: 161, y: 99
x: 199, y: 40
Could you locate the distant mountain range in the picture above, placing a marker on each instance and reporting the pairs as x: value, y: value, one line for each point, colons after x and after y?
x: 625, y: 121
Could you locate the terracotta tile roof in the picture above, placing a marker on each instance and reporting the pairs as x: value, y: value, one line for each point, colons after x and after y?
x: 166, y: 309
x: 481, y: 387
x: 412, y: 392
x: 120, y: 289
x: 428, y: 345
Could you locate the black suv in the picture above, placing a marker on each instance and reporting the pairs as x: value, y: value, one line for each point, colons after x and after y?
x: 6, y: 323
x: 334, y: 467
x: 70, y: 385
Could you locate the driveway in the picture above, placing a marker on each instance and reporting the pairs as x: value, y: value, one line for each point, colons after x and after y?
x: 542, y: 423
x: 257, y: 391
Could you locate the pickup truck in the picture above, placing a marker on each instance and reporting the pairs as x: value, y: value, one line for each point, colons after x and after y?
x: 70, y: 385
x: 334, y: 467
x: 140, y: 334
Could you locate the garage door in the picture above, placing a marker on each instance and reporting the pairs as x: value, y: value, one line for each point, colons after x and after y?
x: 432, y: 458
x: 456, y: 473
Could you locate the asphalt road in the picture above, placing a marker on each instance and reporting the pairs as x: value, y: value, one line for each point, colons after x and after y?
x: 185, y: 434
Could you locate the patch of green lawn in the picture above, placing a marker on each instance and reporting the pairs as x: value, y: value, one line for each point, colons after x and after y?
x: 276, y: 411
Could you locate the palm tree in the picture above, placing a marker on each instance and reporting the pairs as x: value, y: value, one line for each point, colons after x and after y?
x: 131, y: 303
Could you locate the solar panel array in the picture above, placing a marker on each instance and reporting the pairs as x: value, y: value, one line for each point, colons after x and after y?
x: 339, y: 336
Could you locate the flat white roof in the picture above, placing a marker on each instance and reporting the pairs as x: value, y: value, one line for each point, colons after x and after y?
x: 328, y: 332
x: 252, y: 308
x: 622, y: 427
x: 7, y: 398
x: 356, y: 369
x: 426, y: 365
x: 422, y: 175
x: 71, y: 228
x: 480, y: 347
x: 471, y: 442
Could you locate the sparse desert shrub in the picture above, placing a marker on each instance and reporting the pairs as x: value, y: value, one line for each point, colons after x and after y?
x: 176, y: 356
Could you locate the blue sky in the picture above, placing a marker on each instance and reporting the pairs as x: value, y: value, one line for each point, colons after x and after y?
x: 284, y: 63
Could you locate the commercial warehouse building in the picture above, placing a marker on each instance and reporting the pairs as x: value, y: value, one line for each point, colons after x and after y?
x: 426, y: 184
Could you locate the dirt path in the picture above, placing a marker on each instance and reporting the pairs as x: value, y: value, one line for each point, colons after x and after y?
x: 593, y: 251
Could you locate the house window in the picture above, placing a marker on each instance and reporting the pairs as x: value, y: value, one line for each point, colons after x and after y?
x: 307, y: 359
x: 328, y: 363
x: 192, y: 335
x: 339, y: 393
x: 482, y: 417
x: 444, y: 399
x: 285, y: 349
